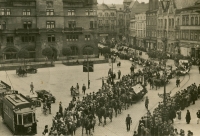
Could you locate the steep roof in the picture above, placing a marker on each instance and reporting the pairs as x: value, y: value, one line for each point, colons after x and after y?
x: 139, y: 8
x: 102, y: 6
x: 132, y: 3
x: 179, y: 4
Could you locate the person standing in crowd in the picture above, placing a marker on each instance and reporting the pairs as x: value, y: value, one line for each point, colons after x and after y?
x: 132, y: 69
x: 198, y: 116
x: 119, y: 74
x: 88, y: 84
x: 188, y: 117
x: 31, y: 86
x: 77, y: 87
x: 128, y: 122
x: 49, y: 106
x: 83, y: 89
x: 199, y: 69
x: 179, y: 114
x: 102, y: 81
x: 61, y: 109
x: 146, y: 102
x: 178, y: 82
x: 45, y: 132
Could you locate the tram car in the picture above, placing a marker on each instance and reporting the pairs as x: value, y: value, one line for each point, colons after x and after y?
x: 19, y: 114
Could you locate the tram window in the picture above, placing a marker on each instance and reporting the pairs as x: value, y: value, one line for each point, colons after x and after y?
x: 20, y: 119
x: 33, y: 117
x: 15, y: 118
x: 27, y: 118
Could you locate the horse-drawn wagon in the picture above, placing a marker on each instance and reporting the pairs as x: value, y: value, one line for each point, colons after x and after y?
x: 137, y: 93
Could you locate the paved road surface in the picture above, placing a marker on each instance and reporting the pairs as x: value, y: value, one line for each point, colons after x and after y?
x: 59, y: 80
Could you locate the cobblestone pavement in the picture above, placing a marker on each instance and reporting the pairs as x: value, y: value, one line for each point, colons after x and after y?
x: 60, y: 78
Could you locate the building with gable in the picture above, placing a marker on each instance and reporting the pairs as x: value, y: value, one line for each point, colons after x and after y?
x: 188, y: 30
x: 138, y: 23
x: 36, y: 24
x: 168, y: 22
x: 107, y: 16
x: 151, y: 25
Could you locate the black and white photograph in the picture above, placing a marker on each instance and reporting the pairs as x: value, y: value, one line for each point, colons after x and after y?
x: 99, y: 67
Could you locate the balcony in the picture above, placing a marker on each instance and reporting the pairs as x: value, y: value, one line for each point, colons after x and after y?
x: 190, y: 27
x: 73, y: 30
x: 27, y: 31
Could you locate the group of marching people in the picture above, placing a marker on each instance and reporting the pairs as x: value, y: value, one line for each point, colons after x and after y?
x: 160, y: 123
x: 111, y: 98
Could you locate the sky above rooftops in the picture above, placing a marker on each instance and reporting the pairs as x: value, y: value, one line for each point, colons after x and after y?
x: 117, y: 1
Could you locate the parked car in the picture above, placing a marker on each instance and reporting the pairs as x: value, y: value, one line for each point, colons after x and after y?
x: 43, y: 94
x: 30, y: 69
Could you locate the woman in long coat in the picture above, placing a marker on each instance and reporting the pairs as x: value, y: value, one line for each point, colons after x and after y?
x: 188, y: 117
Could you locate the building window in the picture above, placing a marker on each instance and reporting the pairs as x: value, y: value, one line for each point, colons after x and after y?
x: 87, y: 12
x: 27, y: 24
x: 100, y: 14
x: 50, y: 24
x: 3, y: 25
x: 72, y: 38
x: 183, y: 21
x: 106, y: 14
x: 9, y: 39
x: 195, y: 36
x: 187, y: 20
x: 87, y: 37
x: 49, y: 12
x: 71, y: 12
x: 95, y: 24
x: 178, y: 21
x: 192, y: 20
x: 5, y: 12
x: 28, y: 39
x: 196, y: 20
x: 191, y: 36
x: 91, y: 24
x: 8, y: 12
x: 51, y: 38
x: 26, y: 12
x: 169, y: 22
x: 72, y: 24
x: 112, y: 14
x: 172, y: 22
x: 91, y: 13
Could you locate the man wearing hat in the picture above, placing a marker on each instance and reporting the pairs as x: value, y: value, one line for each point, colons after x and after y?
x: 128, y: 122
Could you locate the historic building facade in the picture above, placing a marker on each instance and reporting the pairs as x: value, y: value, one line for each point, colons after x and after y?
x: 140, y: 27
x: 151, y: 25
x: 137, y: 9
x: 168, y: 21
x: 107, y: 17
x: 36, y: 24
x: 188, y: 30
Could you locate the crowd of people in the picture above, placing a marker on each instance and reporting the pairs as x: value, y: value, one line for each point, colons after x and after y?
x: 160, y: 123
x: 114, y: 97
x: 110, y: 100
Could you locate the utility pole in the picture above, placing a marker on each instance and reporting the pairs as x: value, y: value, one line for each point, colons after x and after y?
x: 88, y: 70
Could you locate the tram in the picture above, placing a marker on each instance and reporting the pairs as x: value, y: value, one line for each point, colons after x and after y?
x: 19, y: 114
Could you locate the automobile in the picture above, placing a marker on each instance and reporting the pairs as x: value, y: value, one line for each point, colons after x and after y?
x: 34, y: 98
x: 30, y: 69
x: 43, y: 94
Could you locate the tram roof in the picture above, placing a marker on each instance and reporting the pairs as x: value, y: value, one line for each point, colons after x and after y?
x: 17, y: 99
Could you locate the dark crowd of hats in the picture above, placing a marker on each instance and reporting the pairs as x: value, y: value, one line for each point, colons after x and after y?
x: 110, y: 100
x: 160, y: 123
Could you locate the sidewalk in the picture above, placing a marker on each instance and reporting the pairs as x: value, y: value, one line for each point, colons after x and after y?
x: 55, y: 62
